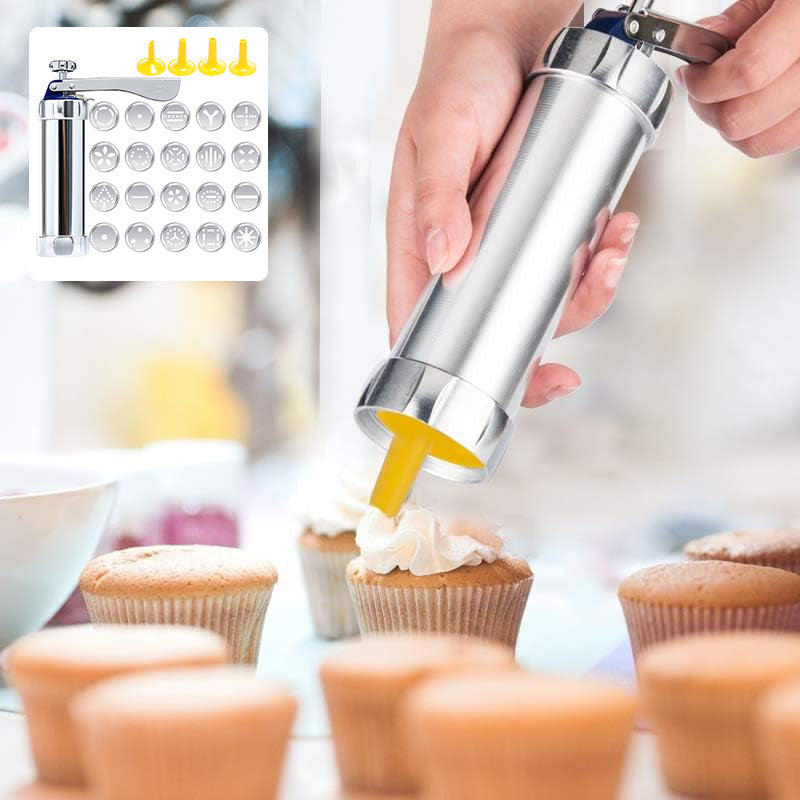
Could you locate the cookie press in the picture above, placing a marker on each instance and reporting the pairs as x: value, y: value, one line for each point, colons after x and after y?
x: 445, y: 398
x: 63, y: 113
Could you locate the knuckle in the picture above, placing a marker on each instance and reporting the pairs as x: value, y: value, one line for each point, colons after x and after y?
x: 729, y: 121
x: 457, y: 116
x: 432, y: 189
x: 752, y: 71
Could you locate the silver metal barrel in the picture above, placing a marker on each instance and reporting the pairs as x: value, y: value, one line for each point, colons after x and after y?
x: 63, y: 201
x: 464, y: 359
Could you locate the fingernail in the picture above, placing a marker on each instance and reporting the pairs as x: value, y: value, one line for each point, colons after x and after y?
x: 680, y: 76
x: 613, y: 273
x: 436, y: 250
x: 629, y: 233
x: 560, y: 391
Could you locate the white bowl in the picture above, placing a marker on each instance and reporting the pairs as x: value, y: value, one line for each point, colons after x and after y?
x: 52, y: 514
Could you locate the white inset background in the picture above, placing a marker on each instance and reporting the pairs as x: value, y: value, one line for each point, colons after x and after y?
x: 115, y: 52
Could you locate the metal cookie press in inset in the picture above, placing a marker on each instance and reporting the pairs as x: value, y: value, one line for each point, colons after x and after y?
x: 446, y: 397
x: 63, y: 113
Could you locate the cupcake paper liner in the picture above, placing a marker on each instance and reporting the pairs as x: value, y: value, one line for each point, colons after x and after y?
x: 50, y: 733
x: 371, y: 751
x: 490, y: 612
x: 239, y: 617
x: 649, y: 624
x: 328, y: 596
x: 169, y: 761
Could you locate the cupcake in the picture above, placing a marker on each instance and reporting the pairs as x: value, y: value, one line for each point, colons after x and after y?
x: 671, y: 600
x: 519, y: 736
x: 50, y: 667
x: 364, y: 684
x: 701, y: 694
x: 330, y: 502
x: 777, y: 548
x: 420, y: 573
x: 779, y: 736
x: 203, y: 734
x: 220, y: 588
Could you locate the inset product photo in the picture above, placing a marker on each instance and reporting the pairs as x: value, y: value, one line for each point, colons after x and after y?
x: 148, y: 143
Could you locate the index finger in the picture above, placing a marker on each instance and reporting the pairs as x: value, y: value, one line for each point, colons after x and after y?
x: 762, y: 54
x: 407, y: 270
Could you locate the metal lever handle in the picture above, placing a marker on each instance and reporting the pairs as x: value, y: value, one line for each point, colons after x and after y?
x: 691, y: 43
x: 149, y: 88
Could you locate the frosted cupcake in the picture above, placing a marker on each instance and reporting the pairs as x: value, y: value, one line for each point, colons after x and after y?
x: 50, y: 667
x: 330, y: 501
x: 201, y: 734
x: 778, y: 548
x: 219, y: 588
x: 518, y: 736
x: 672, y: 600
x: 421, y: 573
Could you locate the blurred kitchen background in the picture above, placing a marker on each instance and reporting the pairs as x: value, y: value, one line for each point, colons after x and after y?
x: 689, y: 417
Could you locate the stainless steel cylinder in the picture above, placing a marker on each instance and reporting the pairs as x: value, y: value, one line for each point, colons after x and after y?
x: 463, y: 361
x: 63, y: 165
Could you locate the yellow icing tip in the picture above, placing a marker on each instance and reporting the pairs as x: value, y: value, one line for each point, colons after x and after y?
x: 412, y: 442
x: 242, y: 67
x: 151, y: 65
x: 181, y: 65
x: 212, y: 65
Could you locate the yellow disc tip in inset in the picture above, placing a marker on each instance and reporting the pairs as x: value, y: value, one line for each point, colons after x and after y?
x: 242, y: 67
x: 212, y: 65
x: 151, y: 65
x: 181, y: 65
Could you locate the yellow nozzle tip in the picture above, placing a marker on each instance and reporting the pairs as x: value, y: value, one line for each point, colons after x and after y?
x: 181, y: 65
x: 412, y: 442
x: 399, y: 471
x: 151, y: 65
x: 212, y: 65
x: 242, y: 66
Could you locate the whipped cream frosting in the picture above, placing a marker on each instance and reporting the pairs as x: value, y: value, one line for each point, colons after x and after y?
x: 424, y: 543
x: 331, y: 499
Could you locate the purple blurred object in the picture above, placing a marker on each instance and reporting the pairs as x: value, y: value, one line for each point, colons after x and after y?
x: 73, y: 612
x: 207, y: 525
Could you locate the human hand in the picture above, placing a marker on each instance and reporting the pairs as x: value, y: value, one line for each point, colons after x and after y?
x: 467, y: 91
x: 751, y: 95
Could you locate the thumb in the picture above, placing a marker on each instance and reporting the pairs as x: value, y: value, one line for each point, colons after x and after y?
x: 446, y: 150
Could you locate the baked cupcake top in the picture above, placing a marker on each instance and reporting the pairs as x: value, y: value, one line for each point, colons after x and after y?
x: 176, y: 570
x: 208, y: 693
x: 87, y: 652
x: 712, y: 584
x: 505, y: 569
x: 746, y: 545
x: 380, y: 660
x: 709, y: 661
x: 518, y: 701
